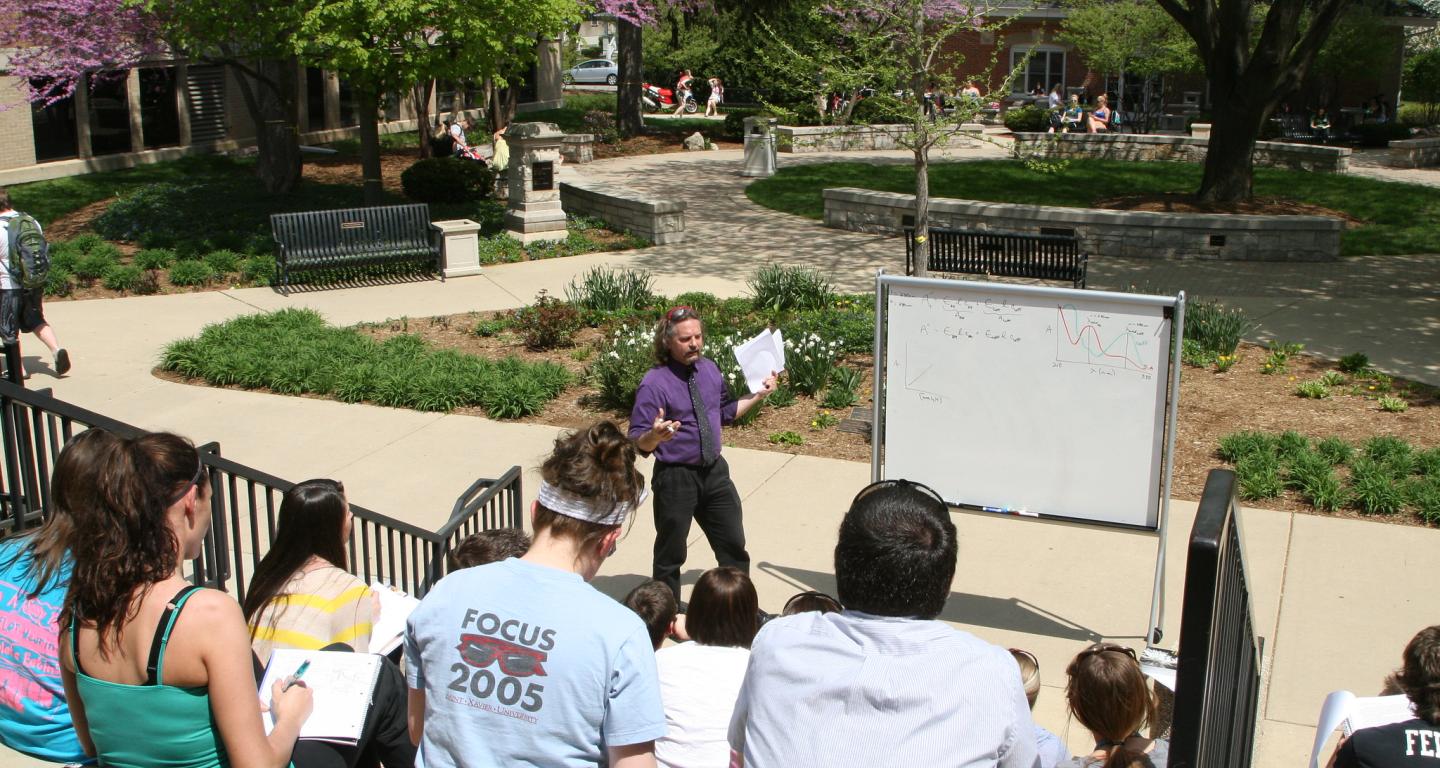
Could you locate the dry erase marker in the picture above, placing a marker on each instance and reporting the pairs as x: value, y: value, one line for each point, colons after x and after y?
x: 295, y: 678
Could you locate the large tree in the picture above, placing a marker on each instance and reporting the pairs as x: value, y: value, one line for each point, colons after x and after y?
x: 386, y: 46
x: 1254, y: 56
x: 631, y: 16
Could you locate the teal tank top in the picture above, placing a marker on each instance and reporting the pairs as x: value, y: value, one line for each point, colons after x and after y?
x: 152, y: 725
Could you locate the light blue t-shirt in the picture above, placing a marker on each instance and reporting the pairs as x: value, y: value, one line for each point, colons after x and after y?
x: 36, y: 719
x: 527, y: 665
x: 1052, y: 750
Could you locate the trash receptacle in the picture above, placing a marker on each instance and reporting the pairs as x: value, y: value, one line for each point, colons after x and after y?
x: 759, y: 156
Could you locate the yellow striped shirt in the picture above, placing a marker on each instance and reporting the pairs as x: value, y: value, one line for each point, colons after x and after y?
x: 314, y: 609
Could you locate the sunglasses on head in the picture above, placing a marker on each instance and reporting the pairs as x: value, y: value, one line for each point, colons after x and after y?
x: 194, y: 481
x: 898, y: 483
x: 677, y: 314
x: 1100, y: 648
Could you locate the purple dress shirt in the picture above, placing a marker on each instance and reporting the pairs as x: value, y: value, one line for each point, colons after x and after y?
x: 667, y: 386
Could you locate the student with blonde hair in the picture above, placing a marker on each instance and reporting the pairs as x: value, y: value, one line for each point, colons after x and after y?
x: 1052, y: 750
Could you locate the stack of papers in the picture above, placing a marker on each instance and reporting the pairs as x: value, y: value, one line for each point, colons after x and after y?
x: 342, y: 683
x: 1351, y: 713
x: 760, y: 357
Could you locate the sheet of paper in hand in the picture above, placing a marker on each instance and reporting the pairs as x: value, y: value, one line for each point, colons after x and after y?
x: 760, y: 357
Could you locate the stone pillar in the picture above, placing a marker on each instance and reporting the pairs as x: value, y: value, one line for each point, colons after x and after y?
x: 332, y: 102
x: 547, y: 71
x: 459, y: 247
x: 182, y: 101
x: 534, y: 213
x: 132, y: 99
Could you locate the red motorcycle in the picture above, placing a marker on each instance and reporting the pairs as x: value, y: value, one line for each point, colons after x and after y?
x: 656, y: 99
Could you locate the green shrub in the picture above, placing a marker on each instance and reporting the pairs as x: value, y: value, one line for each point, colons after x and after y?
x: 123, y: 277
x: 500, y: 249
x: 1393, y: 404
x: 258, y: 270
x: 735, y: 122
x: 223, y: 261
x: 59, y: 282
x: 843, y: 391
x: 1214, y: 328
x: 153, y: 258
x: 1291, y: 446
x: 602, y: 289
x: 1423, y: 494
x: 787, y: 437
x: 620, y: 364
x: 704, y: 303
x: 1259, y: 477
x: 548, y: 323
x: 1325, y: 492
x: 191, y: 273
x: 601, y: 124
x: 87, y: 242
x: 782, y: 397
x: 778, y: 287
x: 95, y: 264
x: 1194, y: 355
x: 1335, y: 450
x: 850, y: 323
x: 1333, y: 379
x: 1428, y: 462
x: 1312, y: 389
x: 1239, y: 445
x: 1389, y: 450
x: 446, y: 180
x: 810, y: 363
x: 493, y: 326
x: 1355, y: 362
x: 1029, y: 119
x: 1375, y: 491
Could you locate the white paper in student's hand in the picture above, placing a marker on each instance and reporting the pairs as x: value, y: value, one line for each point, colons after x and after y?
x: 758, y: 358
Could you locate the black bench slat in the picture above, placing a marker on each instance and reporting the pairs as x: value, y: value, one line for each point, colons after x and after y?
x: 346, y: 237
x: 1001, y: 254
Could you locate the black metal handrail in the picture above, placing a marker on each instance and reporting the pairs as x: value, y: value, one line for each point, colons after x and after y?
x: 1217, y: 685
x: 245, y: 502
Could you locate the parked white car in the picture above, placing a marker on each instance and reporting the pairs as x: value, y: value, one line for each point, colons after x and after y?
x: 593, y: 71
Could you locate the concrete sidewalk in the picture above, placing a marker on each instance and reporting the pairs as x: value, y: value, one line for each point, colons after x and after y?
x: 1336, y: 600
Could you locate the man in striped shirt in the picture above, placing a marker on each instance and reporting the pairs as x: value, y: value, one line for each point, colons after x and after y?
x: 883, y: 682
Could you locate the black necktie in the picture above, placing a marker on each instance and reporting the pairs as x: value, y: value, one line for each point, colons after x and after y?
x: 702, y: 417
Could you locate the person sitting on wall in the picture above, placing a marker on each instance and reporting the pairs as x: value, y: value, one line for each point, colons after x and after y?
x: 1320, y: 126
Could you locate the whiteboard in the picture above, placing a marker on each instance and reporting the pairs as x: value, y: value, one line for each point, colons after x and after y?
x: 1038, y: 401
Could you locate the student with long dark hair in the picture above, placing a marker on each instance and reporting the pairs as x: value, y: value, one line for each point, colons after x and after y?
x: 301, y: 595
x: 699, y: 680
x: 157, y: 671
x: 34, y: 572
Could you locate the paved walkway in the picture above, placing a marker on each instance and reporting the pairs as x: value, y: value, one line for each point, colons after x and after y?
x: 1327, y: 593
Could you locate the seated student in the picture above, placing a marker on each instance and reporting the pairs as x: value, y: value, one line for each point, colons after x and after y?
x: 522, y: 662
x: 655, y: 604
x: 156, y: 670
x: 1073, y: 117
x: 34, y: 572
x: 1108, y: 693
x: 490, y: 546
x: 301, y: 596
x: 699, y: 680
x: 805, y: 602
x: 1409, y: 742
x: 1099, y: 119
x: 1320, y: 126
x: 1052, y: 750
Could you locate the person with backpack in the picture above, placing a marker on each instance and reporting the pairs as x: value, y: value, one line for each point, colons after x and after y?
x: 25, y: 256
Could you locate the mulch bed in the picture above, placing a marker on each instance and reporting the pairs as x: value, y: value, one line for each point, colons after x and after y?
x: 1174, y: 202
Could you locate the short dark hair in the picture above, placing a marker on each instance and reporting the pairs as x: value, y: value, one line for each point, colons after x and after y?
x: 1419, y: 676
x: 488, y: 547
x: 896, y: 552
x: 655, y: 604
x: 4, y: 199
x: 724, y: 609
x: 809, y: 602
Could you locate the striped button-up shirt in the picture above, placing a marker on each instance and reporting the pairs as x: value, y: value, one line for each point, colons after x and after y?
x: 853, y: 689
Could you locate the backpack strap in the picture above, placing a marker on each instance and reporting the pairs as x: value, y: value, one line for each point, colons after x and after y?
x: 155, y: 666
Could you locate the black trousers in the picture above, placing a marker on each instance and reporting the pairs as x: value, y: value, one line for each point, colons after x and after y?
x: 705, y: 494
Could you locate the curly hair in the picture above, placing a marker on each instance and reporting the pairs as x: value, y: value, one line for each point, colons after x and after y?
x: 1419, y: 677
x: 124, y: 544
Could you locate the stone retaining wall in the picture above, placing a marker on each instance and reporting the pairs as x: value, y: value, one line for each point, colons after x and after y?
x: 1415, y: 153
x: 1184, y: 149
x: 1137, y: 234
x: 659, y: 221
x: 851, y: 138
x: 578, y: 147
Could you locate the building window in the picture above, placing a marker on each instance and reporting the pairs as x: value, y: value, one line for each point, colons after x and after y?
x: 315, y: 98
x: 159, y: 117
x: 349, y: 105
x: 109, y: 114
x: 55, y: 136
x: 1044, y: 69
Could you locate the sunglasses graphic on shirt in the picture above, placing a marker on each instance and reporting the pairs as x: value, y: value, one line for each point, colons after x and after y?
x: 515, y: 660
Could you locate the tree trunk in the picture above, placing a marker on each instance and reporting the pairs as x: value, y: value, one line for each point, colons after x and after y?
x: 367, y: 103
x: 421, y: 93
x: 271, y: 102
x: 629, y: 117
x: 922, y: 212
x: 1229, y: 167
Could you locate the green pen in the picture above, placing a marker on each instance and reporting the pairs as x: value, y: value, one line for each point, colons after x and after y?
x: 295, y: 678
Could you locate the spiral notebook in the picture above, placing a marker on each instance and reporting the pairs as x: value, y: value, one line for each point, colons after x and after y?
x: 343, y: 684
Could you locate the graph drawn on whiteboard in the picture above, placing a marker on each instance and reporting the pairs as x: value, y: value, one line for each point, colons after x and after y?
x: 1101, y: 340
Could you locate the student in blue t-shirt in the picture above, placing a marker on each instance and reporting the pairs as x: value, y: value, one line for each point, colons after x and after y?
x: 34, y: 574
x: 522, y: 662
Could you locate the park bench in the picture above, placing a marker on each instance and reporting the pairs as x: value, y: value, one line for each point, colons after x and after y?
x: 1002, y: 254
x: 351, y: 237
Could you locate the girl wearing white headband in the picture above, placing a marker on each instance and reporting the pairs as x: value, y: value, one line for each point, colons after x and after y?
x: 522, y: 661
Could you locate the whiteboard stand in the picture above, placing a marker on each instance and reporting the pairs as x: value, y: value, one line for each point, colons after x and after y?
x: 1077, y: 391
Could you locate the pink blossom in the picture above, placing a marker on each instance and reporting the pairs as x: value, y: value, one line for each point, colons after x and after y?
x: 56, y: 42
x: 644, y: 13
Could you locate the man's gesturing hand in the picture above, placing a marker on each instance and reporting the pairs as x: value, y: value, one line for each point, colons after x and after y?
x: 663, y: 430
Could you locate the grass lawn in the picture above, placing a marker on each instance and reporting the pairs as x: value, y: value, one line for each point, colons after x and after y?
x: 1399, y: 218
x: 50, y: 200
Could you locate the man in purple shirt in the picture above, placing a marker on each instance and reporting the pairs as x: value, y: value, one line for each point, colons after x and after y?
x: 679, y: 409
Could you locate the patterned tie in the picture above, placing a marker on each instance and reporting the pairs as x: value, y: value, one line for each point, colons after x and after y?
x: 702, y: 416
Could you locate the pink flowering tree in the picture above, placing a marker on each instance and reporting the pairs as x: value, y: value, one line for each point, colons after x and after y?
x: 630, y: 16
x: 55, y: 43
x: 896, y: 55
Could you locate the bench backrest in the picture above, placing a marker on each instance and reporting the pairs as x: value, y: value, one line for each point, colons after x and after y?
x: 1008, y: 254
x: 317, y: 234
